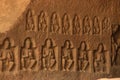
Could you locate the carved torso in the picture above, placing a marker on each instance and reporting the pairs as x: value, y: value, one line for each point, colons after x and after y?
x: 67, y: 53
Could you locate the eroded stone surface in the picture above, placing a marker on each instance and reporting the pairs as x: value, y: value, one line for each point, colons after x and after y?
x: 61, y: 40
x: 10, y: 11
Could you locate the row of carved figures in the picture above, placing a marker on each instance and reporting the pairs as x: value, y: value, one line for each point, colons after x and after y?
x: 49, y: 57
x: 65, y: 25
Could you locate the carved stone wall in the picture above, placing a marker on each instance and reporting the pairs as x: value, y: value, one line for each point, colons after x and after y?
x: 54, y: 39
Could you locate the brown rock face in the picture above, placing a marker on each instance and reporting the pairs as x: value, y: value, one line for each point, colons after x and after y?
x: 59, y: 39
x: 10, y: 11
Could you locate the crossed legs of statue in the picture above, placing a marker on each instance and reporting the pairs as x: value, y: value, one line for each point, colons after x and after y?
x: 66, y: 64
x: 51, y: 64
x: 70, y: 62
x: 99, y: 66
x: 48, y: 64
x: 11, y: 64
x: 27, y: 63
x: 32, y: 63
x: 83, y: 65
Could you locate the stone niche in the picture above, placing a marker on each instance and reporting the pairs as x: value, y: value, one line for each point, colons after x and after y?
x: 61, y: 40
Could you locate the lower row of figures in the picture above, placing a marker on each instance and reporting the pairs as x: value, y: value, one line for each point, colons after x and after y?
x: 51, y: 58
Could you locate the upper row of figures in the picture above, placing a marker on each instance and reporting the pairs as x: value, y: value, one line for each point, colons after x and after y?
x: 53, y: 57
x: 65, y: 25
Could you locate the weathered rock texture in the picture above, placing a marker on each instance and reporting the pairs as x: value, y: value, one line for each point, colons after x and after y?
x: 59, y: 39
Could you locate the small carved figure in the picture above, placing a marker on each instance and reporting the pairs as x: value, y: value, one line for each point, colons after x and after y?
x: 86, y: 25
x: 28, y: 55
x: 67, y: 56
x: 83, y: 57
x: 42, y: 22
x: 96, y: 26
x: 6, y: 56
x: 55, y: 23
x: 30, y: 21
x: 76, y: 25
x: 99, y: 61
x: 106, y: 24
x: 66, y: 25
x: 48, y: 55
x: 116, y: 45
